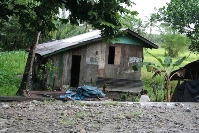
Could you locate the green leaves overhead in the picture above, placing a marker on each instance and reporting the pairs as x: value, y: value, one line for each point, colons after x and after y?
x: 183, y: 16
x: 101, y: 14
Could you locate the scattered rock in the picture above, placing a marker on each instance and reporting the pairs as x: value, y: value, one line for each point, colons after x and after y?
x: 35, y: 116
x: 5, y: 105
x: 188, y: 110
x: 82, y: 131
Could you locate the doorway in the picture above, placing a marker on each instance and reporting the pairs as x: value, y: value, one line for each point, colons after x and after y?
x: 75, y: 70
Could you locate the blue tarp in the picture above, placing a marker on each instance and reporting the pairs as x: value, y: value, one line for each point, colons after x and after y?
x: 84, y: 92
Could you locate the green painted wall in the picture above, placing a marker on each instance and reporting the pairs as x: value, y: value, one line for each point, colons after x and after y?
x: 128, y: 39
x: 51, y: 75
x: 60, y: 65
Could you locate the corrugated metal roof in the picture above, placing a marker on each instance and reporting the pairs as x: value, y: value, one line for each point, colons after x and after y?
x: 45, y: 49
x: 49, y: 48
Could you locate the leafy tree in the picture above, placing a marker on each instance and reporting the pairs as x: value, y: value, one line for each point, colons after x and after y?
x: 164, y: 69
x: 11, y: 36
x: 66, y: 30
x: 183, y: 16
x: 173, y: 42
x: 135, y: 24
x: 37, y: 16
x: 156, y: 38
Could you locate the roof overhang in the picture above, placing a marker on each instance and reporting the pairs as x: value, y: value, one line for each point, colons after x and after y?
x: 189, y: 71
x: 57, y: 46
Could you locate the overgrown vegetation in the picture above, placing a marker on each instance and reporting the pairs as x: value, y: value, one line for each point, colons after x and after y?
x: 11, y: 69
x: 46, y: 71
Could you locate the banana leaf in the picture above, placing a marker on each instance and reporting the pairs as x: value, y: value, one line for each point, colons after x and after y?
x: 179, y: 61
x: 167, y: 61
x: 141, y: 64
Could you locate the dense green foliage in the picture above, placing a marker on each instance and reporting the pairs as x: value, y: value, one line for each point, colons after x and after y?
x: 174, y: 44
x: 12, y: 37
x: 183, y: 16
x: 20, y: 19
x: 11, y: 69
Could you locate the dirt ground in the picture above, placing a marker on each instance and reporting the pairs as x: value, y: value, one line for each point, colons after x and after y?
x: 98, y: 117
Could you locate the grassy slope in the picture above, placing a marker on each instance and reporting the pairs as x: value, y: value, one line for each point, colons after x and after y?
x: 160, y: 53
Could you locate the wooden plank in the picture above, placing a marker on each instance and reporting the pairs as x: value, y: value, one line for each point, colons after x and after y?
x: 20, y: 98
x: 123, y: 85
x: 117, y: 55
x: 101, y: 73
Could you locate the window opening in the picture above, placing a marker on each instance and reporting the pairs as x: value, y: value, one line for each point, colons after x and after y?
x: 111, y: 56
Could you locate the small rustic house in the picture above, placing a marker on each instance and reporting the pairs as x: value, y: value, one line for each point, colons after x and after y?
x: 87, y: 59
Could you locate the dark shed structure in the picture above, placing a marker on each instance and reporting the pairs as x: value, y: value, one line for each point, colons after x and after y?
x: 188, y: 90
x: 188, y: 72
x: 87, y: 59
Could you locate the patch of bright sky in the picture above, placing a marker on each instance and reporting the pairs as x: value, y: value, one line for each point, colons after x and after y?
x: 146, y: 7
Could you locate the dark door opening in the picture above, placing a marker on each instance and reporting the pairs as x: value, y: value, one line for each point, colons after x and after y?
x: 75, y: 70
x: 111, y: 56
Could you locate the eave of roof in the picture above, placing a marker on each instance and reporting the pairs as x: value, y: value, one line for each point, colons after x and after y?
x: 150, y: 44
x: 50, y: 48
x: 57, y: 46
x: 190, y: 71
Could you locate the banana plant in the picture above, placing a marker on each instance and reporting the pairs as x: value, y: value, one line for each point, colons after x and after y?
x: 164, y: 69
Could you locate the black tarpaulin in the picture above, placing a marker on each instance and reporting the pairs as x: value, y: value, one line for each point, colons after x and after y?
x: 188, y: 91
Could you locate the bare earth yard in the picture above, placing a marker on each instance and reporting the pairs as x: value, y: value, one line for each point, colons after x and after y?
x: 98, y: 117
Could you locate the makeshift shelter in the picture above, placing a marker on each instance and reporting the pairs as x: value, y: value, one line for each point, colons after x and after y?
x: 86, y: 59
x: 188, y: 90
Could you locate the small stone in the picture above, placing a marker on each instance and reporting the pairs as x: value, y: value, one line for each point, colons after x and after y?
x: 129, y: 116
x: 4, y: 130
x: 188, y: 110
x: 82, y: 131
x: 28, y: 130
x: 5, y: 105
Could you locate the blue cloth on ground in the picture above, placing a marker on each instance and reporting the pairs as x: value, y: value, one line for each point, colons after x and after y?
x: 84, y: 92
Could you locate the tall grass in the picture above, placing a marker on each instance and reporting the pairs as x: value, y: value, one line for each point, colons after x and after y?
x: 155, y: 86
x: 12, y: 66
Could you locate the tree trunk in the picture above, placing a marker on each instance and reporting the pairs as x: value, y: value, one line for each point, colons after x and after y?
x: 168, y: 88
x: 26, y: 75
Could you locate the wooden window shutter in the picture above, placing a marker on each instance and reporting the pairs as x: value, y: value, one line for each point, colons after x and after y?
x: 117, y: 55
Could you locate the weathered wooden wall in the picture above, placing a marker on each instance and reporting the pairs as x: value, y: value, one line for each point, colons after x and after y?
x: 94, y: 63
x: 122, y: 67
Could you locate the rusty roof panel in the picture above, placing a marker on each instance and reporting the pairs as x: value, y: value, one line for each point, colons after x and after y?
x: 45, y: 49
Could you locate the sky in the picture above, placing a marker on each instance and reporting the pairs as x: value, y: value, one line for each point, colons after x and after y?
x: 146, y: 7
